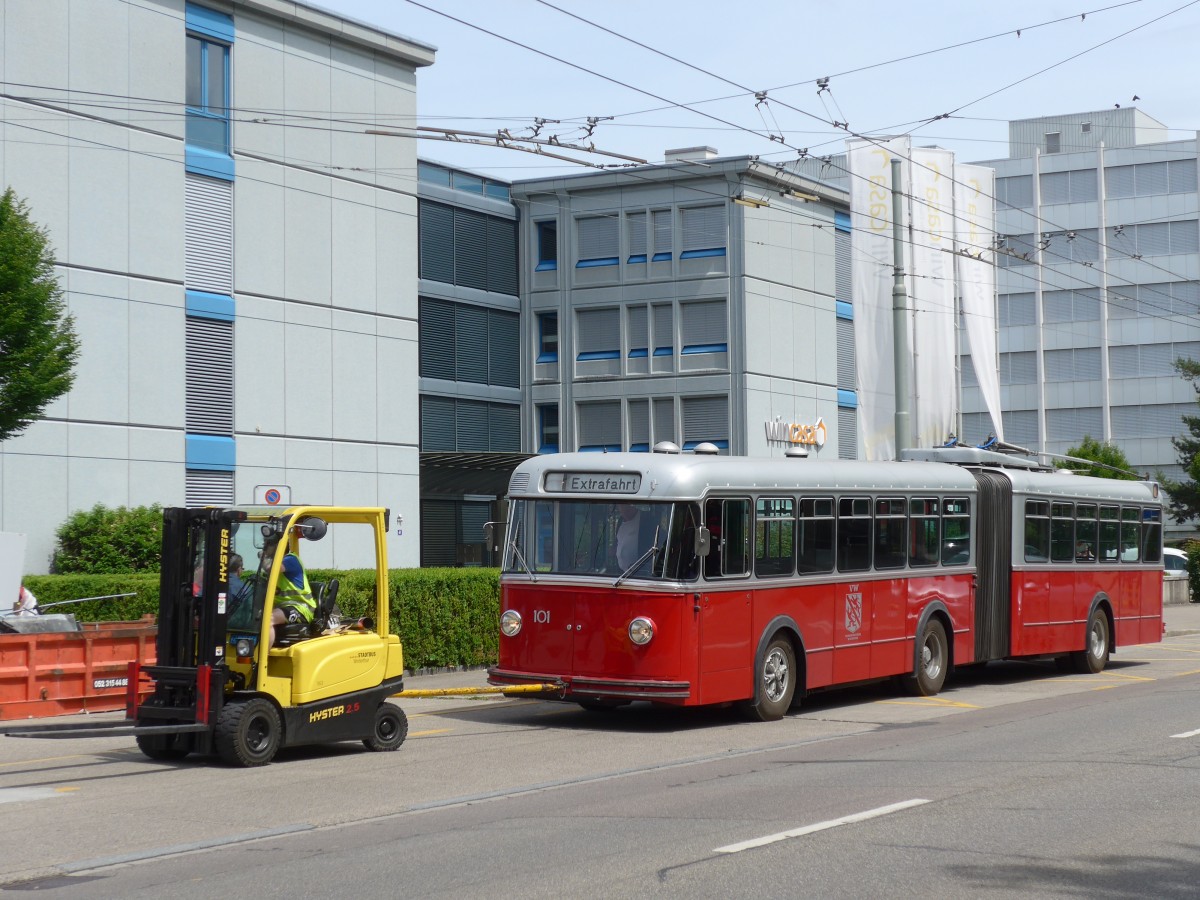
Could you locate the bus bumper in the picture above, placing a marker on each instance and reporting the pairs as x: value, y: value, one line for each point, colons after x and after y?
x: 582, y: 686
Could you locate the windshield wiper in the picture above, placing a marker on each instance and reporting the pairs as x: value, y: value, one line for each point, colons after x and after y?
x: 512, y: 545
x: 654, y: 548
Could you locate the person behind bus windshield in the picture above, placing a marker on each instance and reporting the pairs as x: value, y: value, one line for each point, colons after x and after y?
x: 294, y: 600
x: 631, y: 543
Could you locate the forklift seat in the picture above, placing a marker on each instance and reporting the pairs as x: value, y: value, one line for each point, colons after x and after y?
x: 327, y: 615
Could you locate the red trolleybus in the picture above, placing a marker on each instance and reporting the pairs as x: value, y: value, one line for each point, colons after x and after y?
x: 691, y: 579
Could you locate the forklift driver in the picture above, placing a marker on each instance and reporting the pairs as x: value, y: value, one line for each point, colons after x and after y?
x: 294, y: 600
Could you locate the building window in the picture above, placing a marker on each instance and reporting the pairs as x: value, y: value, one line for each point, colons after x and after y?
x: 1054, y: 142
x: 663, y: 238
x: 598, y: 334
x: 598, y: 241
x: 635, y: 223
x: 548, y: 428
x: 547, y: 337
x: 207, y: 94
x: 547, y: 243
x: 703, y: 231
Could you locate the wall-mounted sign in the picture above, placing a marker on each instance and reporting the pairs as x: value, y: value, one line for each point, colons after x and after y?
x: 272, y: 495
x: 811, y: 434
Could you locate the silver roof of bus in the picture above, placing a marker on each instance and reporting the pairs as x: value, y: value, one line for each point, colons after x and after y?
x: 687, y: 476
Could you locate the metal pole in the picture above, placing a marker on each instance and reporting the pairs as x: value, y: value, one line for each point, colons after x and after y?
x: 900, y: 351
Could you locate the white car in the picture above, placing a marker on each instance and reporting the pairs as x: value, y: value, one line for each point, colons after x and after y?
x: 1174, y: 562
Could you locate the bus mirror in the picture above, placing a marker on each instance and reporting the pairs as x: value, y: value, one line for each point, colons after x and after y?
x: 703, y: 541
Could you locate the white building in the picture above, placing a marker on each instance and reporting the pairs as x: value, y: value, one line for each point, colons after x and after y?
x: 238, y: 252
x: 1099, y: 285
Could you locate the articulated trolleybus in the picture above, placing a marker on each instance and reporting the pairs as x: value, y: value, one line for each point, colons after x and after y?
x: 691, y: 579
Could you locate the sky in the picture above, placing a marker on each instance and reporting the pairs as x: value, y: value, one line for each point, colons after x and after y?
x: 891, y: 67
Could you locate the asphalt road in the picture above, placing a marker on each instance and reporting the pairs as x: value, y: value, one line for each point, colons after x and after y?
x: 1015, y: 780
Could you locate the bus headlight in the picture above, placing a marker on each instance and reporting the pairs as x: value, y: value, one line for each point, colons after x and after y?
x: 641, y: 630
x: 510, y: 622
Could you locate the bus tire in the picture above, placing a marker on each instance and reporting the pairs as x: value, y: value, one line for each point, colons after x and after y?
x: 774, y: 682
x: 248, y: 732
x: 1094, y: 656
x: 391, y: 728
x: 933, y: 659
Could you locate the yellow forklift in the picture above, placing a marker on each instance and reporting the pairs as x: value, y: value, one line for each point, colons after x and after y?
x: 228, y: 679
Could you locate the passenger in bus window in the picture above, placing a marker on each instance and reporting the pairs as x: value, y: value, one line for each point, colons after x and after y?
x: 1084, y: 552
x: 628, y: 535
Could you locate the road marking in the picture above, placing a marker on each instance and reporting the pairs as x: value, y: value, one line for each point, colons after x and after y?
x: 1130, y: 677
x: 428, y: 732
x: 819, y: 826
x: 65, y: 790
x: 16, y: 795
x: 1192, y: 672
x: 1187, y: 734
x: 930, y: 703
x: 26, y: 762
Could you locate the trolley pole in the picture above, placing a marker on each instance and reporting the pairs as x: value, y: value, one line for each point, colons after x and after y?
x: 900, y: 351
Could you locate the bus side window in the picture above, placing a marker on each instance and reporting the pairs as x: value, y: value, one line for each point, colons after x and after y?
x: 729, y: 523
x: 854, y: 534
x: 712, y: 520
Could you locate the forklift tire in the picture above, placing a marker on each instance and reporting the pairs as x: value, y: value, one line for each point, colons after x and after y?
x: 161, y: 747
x: 391, y: 728
x: 248, y: 732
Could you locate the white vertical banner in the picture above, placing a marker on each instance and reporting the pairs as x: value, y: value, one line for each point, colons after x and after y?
x: 870, y: 166
x: 932, y: 299
x: 975, y: 217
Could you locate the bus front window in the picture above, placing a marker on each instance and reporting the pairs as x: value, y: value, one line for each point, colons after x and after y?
x: 601, y: 538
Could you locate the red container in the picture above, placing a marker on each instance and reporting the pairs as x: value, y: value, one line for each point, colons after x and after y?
x: 69, y: 672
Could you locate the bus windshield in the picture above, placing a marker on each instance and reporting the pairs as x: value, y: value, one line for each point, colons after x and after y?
x: 602, y: 537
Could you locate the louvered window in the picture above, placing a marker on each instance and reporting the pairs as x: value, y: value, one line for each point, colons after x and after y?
x: 1150, y: 421
x: 203, y: 488
x: 636, y: 224
x: 1017, y: 309
x: 467, y: 248
x: 471, y: 343
x: 1181, y: 177
x: 1119, y: 182
x: 436, y: 334
x: 664, y: 419
x: 1021, y: 427
x: 704, y: 327
x: 663, y: 246
x: 470, y: 249
x: 967, y: 372
x: 1073, y: 425
x: 703, y: 231
x: 639, y: 332
x: 1185, y: 237
x: 1185, y: 298
x: 504, y: 427
x: 847, y: 432
x: 437, y: 423
x: 598, y: 334
x: 1015, y: 191
x: 436, y: 226
x: 208, y: 227
x: 471, y: 425
x: 504, y: 348
x: 639, y: 425
x: 598, y: 241
x: 845, y: 354
x: 439, y: 538
x: 843, y: 283
x: 1018, y: 368
x: 502, y: 256
x: 599, y: 425
x: 1071, y: 306
x: 209, y: 392
x: 1080, y: 364
x: 664, y: 334
x: 705, y: 419
x: 1151, y: 178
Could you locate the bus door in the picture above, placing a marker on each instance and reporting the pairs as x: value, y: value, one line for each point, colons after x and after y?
x: 854, y: 599
x: 1030, y: 631
x: 726, y: 612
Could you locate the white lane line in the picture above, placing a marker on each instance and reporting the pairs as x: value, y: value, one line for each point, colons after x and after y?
x: 16, y: 795
x: 1187, y: 734
x: 819, y: 826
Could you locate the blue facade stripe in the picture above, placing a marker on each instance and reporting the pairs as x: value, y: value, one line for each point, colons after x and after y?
x: 638, y: 258
x: 598, y: 354
x: 841, y: 220
x: 704, y: 348
x: 843, y: 309
x: 209, y: 23
x: 639, y: 448
x: 661, y: 257
x: 592, y: 263
x: 600, y: 448
x: 203, y: 305
x: 695, y: 254
x: 210, y: 453
x: 664, y: 351
x: 848, y: 399
x: 691, y: 445
x: 547, y: 357
x: 204, y: 162
x: 547, y: 265
x: 639, y: 353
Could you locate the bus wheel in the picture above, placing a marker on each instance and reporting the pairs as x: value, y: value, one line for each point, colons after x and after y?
x: 1094, y: 657
x: 774, y: 683
x: 932, y: 661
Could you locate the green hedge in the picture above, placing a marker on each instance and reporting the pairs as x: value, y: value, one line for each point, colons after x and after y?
x: 445, y: 617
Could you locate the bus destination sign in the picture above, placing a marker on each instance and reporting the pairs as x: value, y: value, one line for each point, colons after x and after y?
x: 593, y: 482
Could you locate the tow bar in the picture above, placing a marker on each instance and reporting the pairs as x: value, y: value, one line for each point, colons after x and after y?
x: 555, y: 687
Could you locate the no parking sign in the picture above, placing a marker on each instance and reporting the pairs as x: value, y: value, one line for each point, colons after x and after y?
x: 272, y: 495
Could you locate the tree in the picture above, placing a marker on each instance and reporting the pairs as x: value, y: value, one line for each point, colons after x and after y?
x: 1184, y: 496
x: 1108, y: 456
x: 38, y: 345
x: 104, y: 540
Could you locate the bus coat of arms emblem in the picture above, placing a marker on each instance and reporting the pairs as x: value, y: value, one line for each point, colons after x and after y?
x: 854, y: 612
